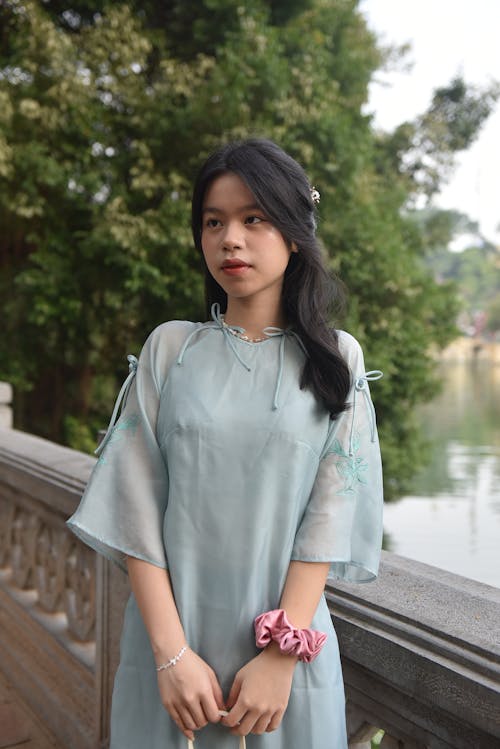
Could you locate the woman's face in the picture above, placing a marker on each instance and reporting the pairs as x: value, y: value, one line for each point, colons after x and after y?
x: 244, y: 252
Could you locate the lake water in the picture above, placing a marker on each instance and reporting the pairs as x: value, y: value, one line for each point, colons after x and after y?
x: 452, y: 518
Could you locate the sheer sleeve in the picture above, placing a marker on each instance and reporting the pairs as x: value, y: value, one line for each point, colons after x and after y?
x: 121, y: 512
x: 342, y: 523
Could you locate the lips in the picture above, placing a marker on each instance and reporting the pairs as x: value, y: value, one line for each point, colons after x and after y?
x: 235, y: 268
x: 234, y: 264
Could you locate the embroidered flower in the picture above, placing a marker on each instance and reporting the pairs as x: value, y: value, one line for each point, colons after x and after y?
x: 128, y: 424
x: 350, y: 467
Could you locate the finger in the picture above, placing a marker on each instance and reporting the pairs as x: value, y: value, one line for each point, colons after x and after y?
x: 187, y: 719
x: 180, y: 725
x: 235, y: 715
x: 275, y: 721
x: 262, y: 723
x: 198, y: 713
x: 217, y: 691
x: 246, y: 724
x: 234, y: 693
x: 210, y: 708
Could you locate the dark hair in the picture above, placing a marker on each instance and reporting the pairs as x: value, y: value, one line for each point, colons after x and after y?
x: 282, y: 190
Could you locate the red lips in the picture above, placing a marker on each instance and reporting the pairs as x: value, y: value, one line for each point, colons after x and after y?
x: 234, y: 264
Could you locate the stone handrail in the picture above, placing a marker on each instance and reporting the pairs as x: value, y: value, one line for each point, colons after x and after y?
x: 421, y: 657
x: 420, y: 646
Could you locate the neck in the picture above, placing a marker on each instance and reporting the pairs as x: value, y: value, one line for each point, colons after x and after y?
x: 254, y: 317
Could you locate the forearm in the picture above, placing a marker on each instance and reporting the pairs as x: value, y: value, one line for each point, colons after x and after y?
x: 153, y: 592
x: 189, y: 692
x: 261, y: 689
x: 303, y: 588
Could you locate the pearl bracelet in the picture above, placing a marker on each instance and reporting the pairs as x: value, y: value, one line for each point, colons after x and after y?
x: 173, y: 660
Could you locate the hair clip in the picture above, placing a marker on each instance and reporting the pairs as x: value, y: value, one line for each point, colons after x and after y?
x: 315, y: 196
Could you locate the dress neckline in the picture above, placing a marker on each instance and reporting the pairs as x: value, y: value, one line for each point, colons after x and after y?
x: 272, y: 332
x: 239, y: 332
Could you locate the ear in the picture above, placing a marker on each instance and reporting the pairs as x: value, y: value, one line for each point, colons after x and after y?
x: 294, y: 247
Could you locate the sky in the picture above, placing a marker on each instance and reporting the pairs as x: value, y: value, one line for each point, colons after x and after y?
x: 446, y: 37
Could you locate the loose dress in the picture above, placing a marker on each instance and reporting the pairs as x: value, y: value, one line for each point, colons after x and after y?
x: 222, y: 470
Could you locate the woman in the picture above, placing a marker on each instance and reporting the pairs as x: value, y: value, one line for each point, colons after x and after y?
x: 244, y: 466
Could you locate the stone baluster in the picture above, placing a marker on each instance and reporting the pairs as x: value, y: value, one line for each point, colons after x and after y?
x: 5, y: 405
x: 80, y: 591
x: 51, y: 554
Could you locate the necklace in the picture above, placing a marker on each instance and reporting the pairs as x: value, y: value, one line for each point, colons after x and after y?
x: 241, y: 335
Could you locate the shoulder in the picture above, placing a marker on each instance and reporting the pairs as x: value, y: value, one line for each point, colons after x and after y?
x: 170, y: 334
x: 163, y: 345
x: 348, y: 345
x: 350, y: 351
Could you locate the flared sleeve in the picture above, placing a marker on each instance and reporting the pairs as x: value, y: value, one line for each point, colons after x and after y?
x: 342, y: 523
x: 122, y: 510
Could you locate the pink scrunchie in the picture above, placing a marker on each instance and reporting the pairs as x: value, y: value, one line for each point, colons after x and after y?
x: 274, y: 625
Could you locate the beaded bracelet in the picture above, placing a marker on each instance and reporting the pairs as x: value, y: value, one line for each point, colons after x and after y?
x: 173, y: 660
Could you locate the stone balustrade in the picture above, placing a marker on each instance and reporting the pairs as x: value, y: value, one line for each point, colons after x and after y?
x: 60, y: 604
x: 420, y: 646
x: 421, y: 657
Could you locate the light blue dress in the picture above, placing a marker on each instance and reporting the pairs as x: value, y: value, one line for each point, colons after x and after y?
x: 221, y: 469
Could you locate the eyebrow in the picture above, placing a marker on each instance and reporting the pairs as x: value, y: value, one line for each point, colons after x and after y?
x: 243, y: 209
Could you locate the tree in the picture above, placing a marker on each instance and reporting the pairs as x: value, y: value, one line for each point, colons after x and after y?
x: 473, y: 269
x: 424, y: 150
x: 493, y: 315
x: 105, y: 113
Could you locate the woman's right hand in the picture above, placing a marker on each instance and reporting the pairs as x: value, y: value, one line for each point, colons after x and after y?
x: 190, y: 693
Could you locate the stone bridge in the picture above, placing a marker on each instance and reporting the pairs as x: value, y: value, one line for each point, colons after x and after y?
x: 420, y: 646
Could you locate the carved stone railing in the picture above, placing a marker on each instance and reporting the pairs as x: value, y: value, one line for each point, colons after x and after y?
x: 420, y: 646
x: 60, y: 604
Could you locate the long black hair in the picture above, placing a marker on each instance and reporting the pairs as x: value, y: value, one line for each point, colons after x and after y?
x: 282, y: 190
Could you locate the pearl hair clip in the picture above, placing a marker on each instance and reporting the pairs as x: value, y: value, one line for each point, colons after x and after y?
x: 315, y: 196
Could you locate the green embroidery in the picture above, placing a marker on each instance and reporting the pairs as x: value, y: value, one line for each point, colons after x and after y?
x: 350, y: 467
x: 129, y: 424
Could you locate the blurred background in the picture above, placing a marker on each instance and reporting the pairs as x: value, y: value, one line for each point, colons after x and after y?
x: 108, y: 109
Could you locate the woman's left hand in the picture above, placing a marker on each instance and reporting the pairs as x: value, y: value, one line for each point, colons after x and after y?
x: 260, y: 693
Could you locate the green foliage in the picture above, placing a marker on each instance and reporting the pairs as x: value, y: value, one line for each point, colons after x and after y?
x: 80, y: 435
x: 375, y: 742
x: 106, y: 112
x: 474, y: 271
x: 477, y: 270
x: 493, y: 313
x: 425, y: 149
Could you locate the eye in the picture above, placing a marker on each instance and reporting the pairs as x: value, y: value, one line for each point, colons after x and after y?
x: 254, y: 220
x: 212, y: 223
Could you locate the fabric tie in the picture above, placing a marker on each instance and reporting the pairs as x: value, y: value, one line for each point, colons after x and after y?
x: 270, y: 331
x: 273, y: 331
x: 216, y: 324
x: 120, y: 401
x: 361, y: 385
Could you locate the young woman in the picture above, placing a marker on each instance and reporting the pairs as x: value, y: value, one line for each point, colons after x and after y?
x: 244, y: 467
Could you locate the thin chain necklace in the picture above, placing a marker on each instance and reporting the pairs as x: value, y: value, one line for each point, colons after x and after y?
x: 241, y: 335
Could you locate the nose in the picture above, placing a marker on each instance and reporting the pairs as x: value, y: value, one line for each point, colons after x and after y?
x: 232, y: 238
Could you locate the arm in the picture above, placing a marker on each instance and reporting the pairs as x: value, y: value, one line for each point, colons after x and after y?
x: 189, y: 690
x: 303, y: 589
x: 261, y: 689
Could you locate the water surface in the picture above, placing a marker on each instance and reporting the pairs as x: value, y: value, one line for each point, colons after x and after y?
x: 452, y: 518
